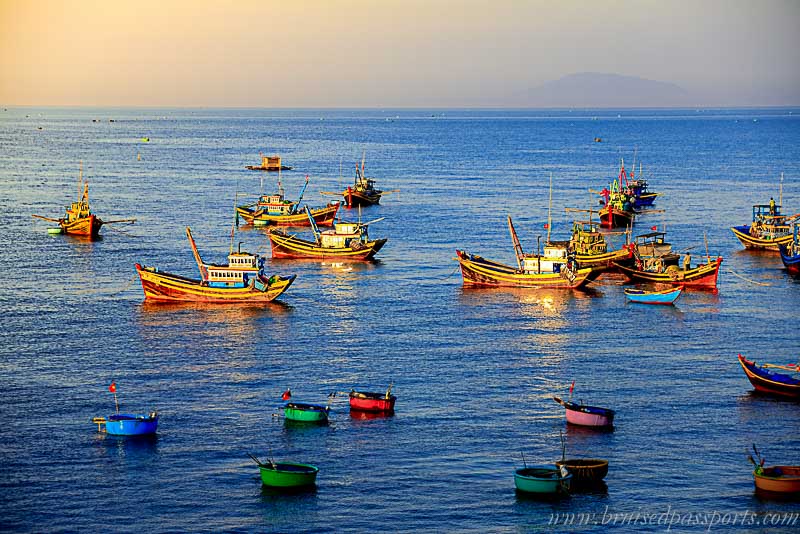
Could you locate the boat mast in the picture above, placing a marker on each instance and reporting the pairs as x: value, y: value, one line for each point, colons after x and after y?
x: 196, y: 254
x: 780, y: 195
x: 550, y: 209
x: 514, y: 239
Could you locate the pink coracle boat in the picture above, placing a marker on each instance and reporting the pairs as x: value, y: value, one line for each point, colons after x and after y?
x: 592, y: 416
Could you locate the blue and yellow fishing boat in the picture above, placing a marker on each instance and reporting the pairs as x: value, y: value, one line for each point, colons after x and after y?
x: 589, y: 245
x: 277, y: 210
x: 769, y: 230
x: 790, y: 253
x: 242, y: 280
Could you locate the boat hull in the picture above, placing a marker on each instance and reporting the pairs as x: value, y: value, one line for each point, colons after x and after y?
x: 542, y: 480
x: 742, y: 233
x: 324, y: 216
x: 666, y: 297
x: 770, y: 382
x: 585, y: 471
x: 372, y: 402
x: 85, y: 226
x: 703, y: 276
x: 131, y: 424
x: 292, y: 247
x: 360, y: 198
x: 605, y: 261
x: 589, y: 416
x: 288, y: 475
x: 611, y: 217
x: 166, y: 287
x: 477, y: 271
x: 790, y: 261
x: 784, y: 479
x: 305, y: 413
x: 644, y: 199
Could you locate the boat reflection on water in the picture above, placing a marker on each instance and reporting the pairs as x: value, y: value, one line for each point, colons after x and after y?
x: 301, y: 494
x: 128, y: 447
x: 366, y: 416
x: 236, y: 320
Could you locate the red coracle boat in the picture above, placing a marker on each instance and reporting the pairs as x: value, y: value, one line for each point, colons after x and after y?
x: 363, y: 401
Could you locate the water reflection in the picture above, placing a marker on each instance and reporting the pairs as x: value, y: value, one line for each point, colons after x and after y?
x: 130, y: 447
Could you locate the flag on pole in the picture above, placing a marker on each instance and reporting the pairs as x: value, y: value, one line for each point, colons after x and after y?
x: 287, y: 394
x: 572, y: 387
x: 546, y: 226
x: 113, y: 387
x: 654, y: 228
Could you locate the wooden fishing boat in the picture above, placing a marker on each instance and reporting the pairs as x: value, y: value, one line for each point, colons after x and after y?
x: 790, y: 253
x: 591, y: 250
x: 769, y: 230
x: 653, y: 245
x: 642, y: 196
x: 667, y: 296
x: 242, y: 280
x: 782, y: 479
x: 786, y: 385
x: 362, y: 192
x: 702, y: 276
x: 363, y: 401
x: 612, y: 216
x: 583, y: 415
x: 306, y: 413
x: 287, y: 475
x: 346, y: 241
x: 79, y: 219
x: 556, y: 268
x: 269, y: 164
x: 617, y: 210
x: 545, y: 479
x: 585, y: 471
x: 128, y: 424
x: 277, y: 210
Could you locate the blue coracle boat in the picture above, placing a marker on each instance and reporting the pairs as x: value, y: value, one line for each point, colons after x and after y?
x: 667, y: 296
x: 127, y: 424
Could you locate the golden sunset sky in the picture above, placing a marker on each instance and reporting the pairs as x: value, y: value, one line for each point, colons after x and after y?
x: 360, y: 53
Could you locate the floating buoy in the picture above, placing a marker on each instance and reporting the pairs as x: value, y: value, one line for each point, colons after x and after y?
x: 54, y: 231
x: 145, y: 139
x: 598, y: 140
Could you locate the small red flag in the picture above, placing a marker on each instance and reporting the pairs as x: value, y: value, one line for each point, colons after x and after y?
x: 572, y: 387
x: 113, y: 387
x: 546, y: 226
x: 287, y: 394
x: 654, y: 228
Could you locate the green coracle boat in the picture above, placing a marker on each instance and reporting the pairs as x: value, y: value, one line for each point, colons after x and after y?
x: 543, y: 480
x: 287, y: 474
x: 306, y: 413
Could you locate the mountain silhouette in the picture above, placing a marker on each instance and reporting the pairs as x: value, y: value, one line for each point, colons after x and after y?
x: 597, y: 90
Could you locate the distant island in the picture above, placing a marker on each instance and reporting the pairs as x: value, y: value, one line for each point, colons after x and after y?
x: 597, y: 90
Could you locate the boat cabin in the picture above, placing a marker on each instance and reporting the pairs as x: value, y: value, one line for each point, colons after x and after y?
x: 343, y: 235
x: 586, y: 239
x: 241, y: 268
x: 80, y: 209
x: 276, y: 205
x: 553, y: 260
x: 271, y: 163
x: 769, y: 223
x: 652, y: 244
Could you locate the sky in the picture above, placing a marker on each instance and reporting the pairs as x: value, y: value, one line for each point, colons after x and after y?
x: 388, y: 53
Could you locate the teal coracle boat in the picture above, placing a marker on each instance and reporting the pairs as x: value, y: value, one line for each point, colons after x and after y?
x: 287, y: 474
x: 306, y: 413
x: 543, y: 480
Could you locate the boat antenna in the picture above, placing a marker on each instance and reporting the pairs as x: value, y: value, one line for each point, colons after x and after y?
x: 80, y: 180
x: 634, y: 162
x: 550, y: 209
x: 523, y: 459
x: 280, y: 184
x: 233, y: 225
x: 780, y: 195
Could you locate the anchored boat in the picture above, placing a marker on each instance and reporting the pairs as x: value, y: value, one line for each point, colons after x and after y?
x: 126, y: 424
x: 242, y: 280
x: 765, y: 380
x: 790, y: 253
x: 346, y: 241
x: 769, y: 230
x: 667, y: 296
x: 277, y: 210
x: 591, y: 249
x: 269, y: 164
x: 703, y: 275
x: 287, y: 475
x: 364, y: 401
x: 776, y: 480
x: 306, y: 413
x: 585, y: 471
x: 545, y: 479
x: 590, y: 416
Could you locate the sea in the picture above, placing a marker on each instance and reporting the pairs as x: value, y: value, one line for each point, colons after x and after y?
x: 474, y: 370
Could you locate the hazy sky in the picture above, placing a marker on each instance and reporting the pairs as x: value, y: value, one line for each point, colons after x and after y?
x: 387, y: 53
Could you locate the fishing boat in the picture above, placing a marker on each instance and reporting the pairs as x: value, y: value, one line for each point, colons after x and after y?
x: 652, y: 244
x: 617, y: 210
x: 777, y: 480
x: 703, y: 276
x: 277, y: 210
x: 79, y: 219
x: 306, y: 413
x: 362, y: 192
x: 642, y: 196
x: 591, y: 249
x: 769, y: 230
x: 363, y: 401
x: 790, y: 253
x: 242, y: 280
x: 544, y: 479
x: 765, y: 380
x: 667, y: 296
x: 585, y: 471
x: 556, y: 268
x: 126, y: 424
x: 346, y: 241
x: 269, y: 164
x: 590, y: 416
x: 287, y: 475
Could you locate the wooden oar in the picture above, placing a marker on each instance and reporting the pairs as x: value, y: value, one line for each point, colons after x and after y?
x: 789, y: 367
x: 46, y: 218
x: 330, y: 193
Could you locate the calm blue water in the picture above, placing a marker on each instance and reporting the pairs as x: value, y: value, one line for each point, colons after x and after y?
x: 474, y: 371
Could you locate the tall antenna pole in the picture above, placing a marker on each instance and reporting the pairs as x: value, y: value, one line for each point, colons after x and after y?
x: 550, y: 209
x: 780, y: 196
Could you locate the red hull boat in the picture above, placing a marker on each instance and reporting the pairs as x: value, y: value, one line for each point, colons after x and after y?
x: 372, y: 402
